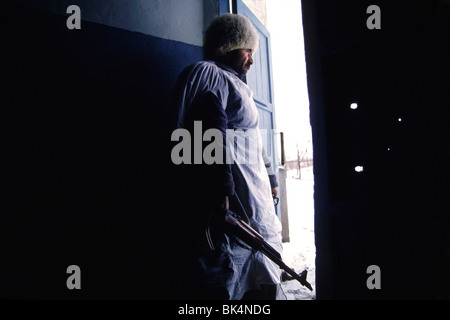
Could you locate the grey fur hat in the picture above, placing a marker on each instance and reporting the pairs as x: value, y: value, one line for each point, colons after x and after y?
x: 229, y: 32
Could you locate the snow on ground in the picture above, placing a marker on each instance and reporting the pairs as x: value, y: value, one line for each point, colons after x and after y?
x: 300, y: 252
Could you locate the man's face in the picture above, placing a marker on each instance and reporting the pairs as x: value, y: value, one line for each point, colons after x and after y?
x: 240, y: 60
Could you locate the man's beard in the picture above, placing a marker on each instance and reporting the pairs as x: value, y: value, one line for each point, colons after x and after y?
x: 245, y: 68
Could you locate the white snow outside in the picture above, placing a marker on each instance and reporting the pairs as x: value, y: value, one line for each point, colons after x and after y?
x: 300, y: 252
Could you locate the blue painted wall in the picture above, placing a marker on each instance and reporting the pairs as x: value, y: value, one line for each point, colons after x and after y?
x: 81, y: 117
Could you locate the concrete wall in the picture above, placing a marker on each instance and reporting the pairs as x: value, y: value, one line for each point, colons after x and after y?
x: 283, y: 204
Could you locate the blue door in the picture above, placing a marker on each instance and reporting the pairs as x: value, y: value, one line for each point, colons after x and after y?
x: 259, y: 79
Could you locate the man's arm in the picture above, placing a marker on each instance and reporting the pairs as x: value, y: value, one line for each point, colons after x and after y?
x: 271, y: 173
x: 215, y: 180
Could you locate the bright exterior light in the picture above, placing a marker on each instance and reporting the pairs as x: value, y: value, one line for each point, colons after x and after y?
x: 354, y: 106
x: 399, y: 119
x: 359, y: 168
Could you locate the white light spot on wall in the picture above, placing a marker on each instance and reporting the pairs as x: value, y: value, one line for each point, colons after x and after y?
x: 359, y: 168
x: 399, y: 119
x: 354, y: 106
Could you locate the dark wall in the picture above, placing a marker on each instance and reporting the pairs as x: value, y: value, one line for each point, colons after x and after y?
x: 82, y: 117
x: 394, y: 214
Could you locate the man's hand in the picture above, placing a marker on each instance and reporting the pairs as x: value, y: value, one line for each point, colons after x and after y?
x: 225, y: 205
x: 218, y: 213
x: 274, y: 191
x: 216, y: 223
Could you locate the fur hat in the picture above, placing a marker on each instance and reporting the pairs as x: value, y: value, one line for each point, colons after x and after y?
x: 229, y: 32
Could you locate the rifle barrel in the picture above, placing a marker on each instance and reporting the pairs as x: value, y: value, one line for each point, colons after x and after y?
x: 250, y: 236
x: 273, y: 255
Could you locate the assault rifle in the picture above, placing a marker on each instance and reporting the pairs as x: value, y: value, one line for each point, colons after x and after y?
x: 236, y: 227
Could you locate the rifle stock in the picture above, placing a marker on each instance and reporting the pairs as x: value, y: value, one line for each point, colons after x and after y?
x: 236, y: 227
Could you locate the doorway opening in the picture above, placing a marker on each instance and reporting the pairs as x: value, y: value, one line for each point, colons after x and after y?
x: 281, y: 79
x: 284, y: 22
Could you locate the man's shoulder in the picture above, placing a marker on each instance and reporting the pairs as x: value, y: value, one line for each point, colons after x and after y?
x: 208, y: 66
x: 206, y: 72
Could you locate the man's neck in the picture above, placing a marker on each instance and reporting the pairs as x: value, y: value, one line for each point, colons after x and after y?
x: 226, y: 67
